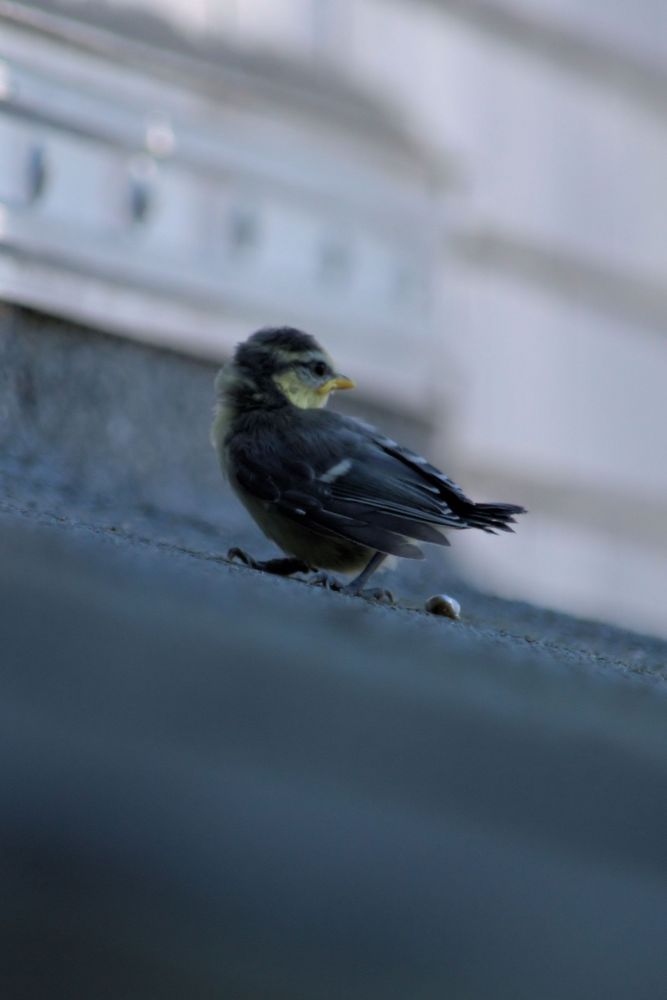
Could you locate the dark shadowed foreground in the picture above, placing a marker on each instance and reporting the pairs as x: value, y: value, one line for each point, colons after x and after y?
x: 216, y: 784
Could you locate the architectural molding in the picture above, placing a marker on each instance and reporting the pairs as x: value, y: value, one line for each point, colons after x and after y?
x: 146, y: 202
x: 145, y: 41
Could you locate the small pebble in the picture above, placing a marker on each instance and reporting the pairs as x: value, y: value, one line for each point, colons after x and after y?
x: 443, y: 604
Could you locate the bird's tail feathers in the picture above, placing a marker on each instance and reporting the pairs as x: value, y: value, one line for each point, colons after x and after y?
x: 492, y: 517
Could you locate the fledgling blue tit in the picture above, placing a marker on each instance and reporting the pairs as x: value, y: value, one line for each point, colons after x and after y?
x: 332, y: 492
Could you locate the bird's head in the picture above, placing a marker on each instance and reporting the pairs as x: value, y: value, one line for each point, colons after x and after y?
x: 278, y: 364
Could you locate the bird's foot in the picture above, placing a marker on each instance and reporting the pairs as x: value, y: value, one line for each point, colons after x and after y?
x: 377, y: 594
x: 279, y: 567
x: 240, y: 555
x: 327, y: 581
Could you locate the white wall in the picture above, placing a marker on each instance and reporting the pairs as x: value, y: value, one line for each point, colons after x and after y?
x: 551, y: 365
x: 550, y: 389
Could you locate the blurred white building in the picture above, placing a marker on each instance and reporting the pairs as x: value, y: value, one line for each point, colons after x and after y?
x: 466, y: 198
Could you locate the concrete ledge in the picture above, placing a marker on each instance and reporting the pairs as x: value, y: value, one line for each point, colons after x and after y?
x: 217, y: 784
x: 112, y: 436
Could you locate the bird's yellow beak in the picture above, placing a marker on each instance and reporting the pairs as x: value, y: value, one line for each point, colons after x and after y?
x: 337, y: 382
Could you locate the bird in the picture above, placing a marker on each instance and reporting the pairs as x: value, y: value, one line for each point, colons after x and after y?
x: 331, y: 491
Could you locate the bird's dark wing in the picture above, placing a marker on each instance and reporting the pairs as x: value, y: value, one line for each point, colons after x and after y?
x: 294, y: 488
x: 489, y: 517
x: 341, y: 478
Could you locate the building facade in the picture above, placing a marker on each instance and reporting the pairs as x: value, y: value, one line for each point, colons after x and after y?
x: 467, y: 200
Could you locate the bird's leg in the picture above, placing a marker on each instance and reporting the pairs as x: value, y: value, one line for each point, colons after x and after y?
x: 279, y: 567
x: 377, y: 593
x: 355, y: 587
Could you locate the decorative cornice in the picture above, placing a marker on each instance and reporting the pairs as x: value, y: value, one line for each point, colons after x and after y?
x: 147, y: 42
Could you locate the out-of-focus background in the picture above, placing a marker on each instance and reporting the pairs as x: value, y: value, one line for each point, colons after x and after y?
x: 217, y: 783
x: 466, y: 201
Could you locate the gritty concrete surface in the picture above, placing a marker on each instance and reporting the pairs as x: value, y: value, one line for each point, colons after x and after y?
x: 514, y: 625
x: 218, y: 783
x: 111, y: 435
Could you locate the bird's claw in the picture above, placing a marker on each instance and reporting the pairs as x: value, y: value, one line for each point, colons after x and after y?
x: 285, y: 566
x: 236, y: 554
x: 377, y: 594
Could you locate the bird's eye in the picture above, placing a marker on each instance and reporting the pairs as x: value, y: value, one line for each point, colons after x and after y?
x: 319, y: 368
